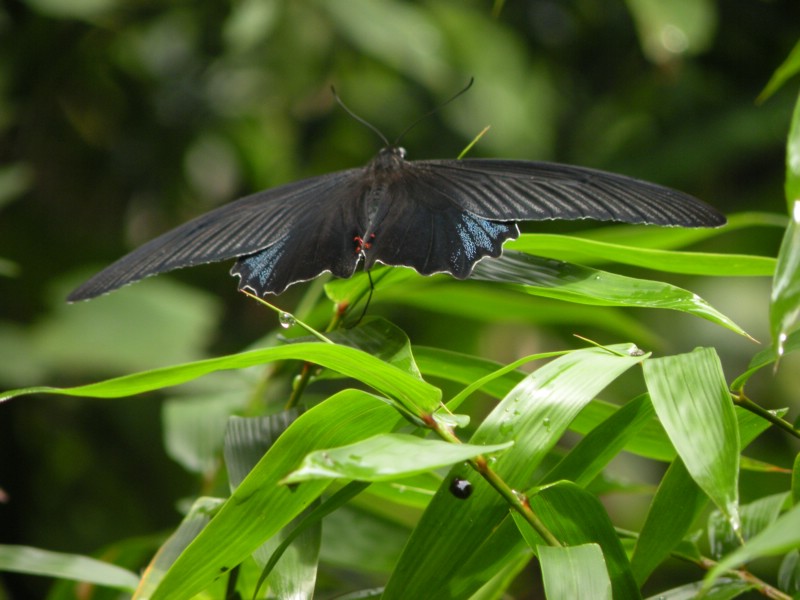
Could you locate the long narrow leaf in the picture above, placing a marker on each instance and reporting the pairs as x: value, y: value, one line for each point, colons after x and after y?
x: 385, y: 457
x: 691, y: 399
x: 575, y: 572
x: 674, y: 508
x: 785, y: 300
x: 586, y: 252
x: 35, y: 561
x: 413, y: 393
x: 583, y: 285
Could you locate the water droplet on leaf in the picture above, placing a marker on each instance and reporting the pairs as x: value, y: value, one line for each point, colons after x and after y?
x: 286, y: 320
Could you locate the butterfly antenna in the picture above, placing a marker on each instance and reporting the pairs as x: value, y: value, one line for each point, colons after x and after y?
x: 357, y: 118
x: 430, y: 112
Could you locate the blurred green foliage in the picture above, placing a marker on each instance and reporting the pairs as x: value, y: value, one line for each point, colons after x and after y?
x: 121, y: 119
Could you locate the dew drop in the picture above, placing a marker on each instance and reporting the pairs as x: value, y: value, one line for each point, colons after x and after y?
x: 286, y: 320
x: 546, y: 423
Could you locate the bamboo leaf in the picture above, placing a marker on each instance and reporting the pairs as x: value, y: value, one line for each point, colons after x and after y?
x: 691, y: 399
x: 35, y: 561
x: 575, y: 572
x: 583, y: 285
x: 385, y: 457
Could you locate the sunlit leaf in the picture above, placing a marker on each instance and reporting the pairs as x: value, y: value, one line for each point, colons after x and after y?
x: 764, y: 358
x: 411, y: 392
x: 385, y: 457
x: 792, y: 181
x: 35, y: 561
x: 575, y: 572
x: 676, y: 505
x: 583, y: 285
x: 586, y: 252
x: 667, y: 238
x: 785, y: 301
x: 787, y: 69
x: 692, y: 401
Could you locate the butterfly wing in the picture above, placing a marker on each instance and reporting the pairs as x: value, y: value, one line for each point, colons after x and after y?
x: 421, y: 225
x: 297, y: 221
x: 510, y: 190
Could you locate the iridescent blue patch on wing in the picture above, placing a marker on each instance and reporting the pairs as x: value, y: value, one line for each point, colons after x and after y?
x: 478, y: 237
x: 257, y: 270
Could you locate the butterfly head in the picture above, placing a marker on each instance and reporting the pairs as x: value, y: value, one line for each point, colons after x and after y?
x: 389, y: 158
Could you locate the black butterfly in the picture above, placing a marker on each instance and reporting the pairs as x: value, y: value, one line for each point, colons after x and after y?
x: 436, y: 216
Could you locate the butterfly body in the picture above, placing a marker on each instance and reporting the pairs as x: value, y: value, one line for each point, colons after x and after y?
x: 436, y: 216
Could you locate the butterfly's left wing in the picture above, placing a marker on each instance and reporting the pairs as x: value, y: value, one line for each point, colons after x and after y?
x: 512, y: 190
x: 305, y: 228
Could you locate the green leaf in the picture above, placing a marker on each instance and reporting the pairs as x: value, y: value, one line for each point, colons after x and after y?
x: 692, y: 401
x: 674, y: 508
x: 755, y: 516
x: 380, y: 338
x: 575, y: 572
x: 295, y: 549
x: 780, y: 537
x: 785, y: 300
x: 676, y: 505
x: 200, y: 514
x: 494, y: 304
x: 589, y: 456
x: 646, y: 236
x: 587, y: 251
x: 414, y: 394
x: 764, y: 358
x: 792, y: 183
x: 385, y: 457
x: 796, y: 480
x: 577, y: 517
x: 789, y: 573
x: 583, y: 285
x: 787, y: 69
x: 35, y: 561
x: 723, y: 589
x: 437, y: 559
x: 260, y: 506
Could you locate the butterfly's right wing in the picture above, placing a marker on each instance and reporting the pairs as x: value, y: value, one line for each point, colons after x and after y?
x: 306, y: 224
x: 515, y: 190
